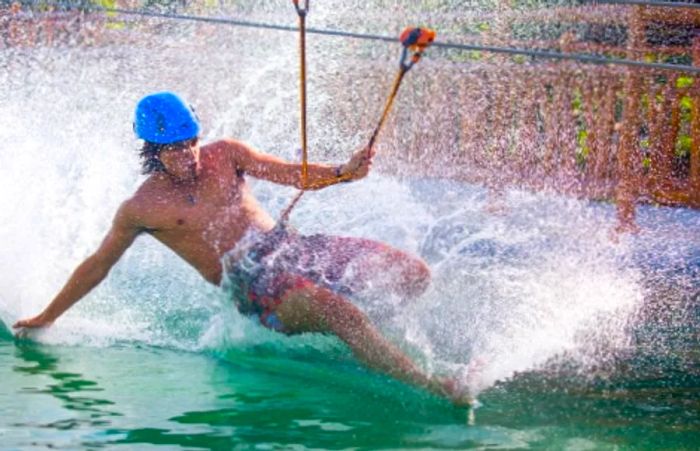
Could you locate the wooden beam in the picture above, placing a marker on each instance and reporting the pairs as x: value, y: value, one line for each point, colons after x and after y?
x: 628, y: 182
x: 695, y: 129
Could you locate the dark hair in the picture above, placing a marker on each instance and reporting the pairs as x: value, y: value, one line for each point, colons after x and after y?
x: 150, y: 154
x: 150, y: 157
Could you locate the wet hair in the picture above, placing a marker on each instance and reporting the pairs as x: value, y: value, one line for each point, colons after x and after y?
x: 150, y: 154
x: 150, y: 158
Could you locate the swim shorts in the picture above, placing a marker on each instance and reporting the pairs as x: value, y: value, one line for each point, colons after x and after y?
x: 263, y: 267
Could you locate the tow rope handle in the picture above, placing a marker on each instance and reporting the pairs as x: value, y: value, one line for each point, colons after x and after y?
x: 413, y: 39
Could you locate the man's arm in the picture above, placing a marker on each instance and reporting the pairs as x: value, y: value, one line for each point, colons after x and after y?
x: 274, y: 169
x: 91, y: 271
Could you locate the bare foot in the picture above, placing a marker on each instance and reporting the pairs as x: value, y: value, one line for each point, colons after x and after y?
x: 455, y: 392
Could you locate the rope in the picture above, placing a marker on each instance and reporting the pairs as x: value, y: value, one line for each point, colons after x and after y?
x: 645, y: 3
x: 415, y: 40
x: 387, y: 107
x: 545, y: 54
x: 301, y: 12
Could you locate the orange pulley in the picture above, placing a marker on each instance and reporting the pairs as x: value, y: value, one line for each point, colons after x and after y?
x: 416, y: 40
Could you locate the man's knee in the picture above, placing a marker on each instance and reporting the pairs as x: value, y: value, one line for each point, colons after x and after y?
x: 416, y: 277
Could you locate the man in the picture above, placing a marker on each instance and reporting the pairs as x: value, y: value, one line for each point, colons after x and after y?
x: 196, y: 202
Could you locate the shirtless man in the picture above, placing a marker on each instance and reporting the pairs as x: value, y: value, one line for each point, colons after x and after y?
x: 196, y: 202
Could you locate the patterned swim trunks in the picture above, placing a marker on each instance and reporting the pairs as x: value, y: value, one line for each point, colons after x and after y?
x: 263, y: 267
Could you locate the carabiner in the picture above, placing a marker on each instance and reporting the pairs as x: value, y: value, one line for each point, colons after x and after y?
x: 301, y: 11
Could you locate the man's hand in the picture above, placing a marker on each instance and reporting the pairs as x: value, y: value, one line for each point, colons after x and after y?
x: 32, y: 323
x: 359, y: 164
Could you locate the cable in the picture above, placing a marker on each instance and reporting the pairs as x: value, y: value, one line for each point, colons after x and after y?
x: 644, y: 3
x: 572, y: 56
x: 445, y: 45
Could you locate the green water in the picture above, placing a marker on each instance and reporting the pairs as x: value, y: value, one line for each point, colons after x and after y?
x: 268, y: 397
x: 522, y: 288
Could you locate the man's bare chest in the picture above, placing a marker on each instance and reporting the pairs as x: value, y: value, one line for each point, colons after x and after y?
x: 196, y: 208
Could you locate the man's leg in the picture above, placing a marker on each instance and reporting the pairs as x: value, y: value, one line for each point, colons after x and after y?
x: 408, y: 276
x: 310, y: 308
x: 376, y: 264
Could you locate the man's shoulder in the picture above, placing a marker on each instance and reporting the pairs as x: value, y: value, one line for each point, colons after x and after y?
x: 144, y: 206
x: 150, y: 192
x: 224, y: 150
x: 153, y: 182
x: 223, y: 145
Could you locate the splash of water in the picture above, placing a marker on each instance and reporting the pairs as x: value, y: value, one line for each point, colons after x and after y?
x: 509, y: 291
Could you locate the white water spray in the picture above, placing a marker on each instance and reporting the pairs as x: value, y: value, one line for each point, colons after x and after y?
x: 510, y: 291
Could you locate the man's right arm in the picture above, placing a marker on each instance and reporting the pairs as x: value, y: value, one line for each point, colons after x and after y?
x: 269, y: 167
x: 91, y: 271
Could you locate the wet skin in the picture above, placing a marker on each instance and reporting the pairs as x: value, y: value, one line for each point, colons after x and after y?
x: 200, y: 207
x: 204, y: 210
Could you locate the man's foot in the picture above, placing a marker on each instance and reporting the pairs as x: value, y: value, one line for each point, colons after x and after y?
x: 454, y: 391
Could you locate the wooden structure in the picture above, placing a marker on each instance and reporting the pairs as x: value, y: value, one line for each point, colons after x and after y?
x: 650, y: 151
x: 656, y: 139
x: 45, y: 26
x: 624, y: 134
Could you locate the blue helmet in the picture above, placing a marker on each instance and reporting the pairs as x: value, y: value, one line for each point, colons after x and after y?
x: 164, y: 118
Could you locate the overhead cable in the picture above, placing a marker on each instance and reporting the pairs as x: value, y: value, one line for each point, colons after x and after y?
x: 547, y: 54
x: 653, y: 3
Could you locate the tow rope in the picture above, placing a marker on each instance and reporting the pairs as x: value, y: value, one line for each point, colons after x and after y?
x: 414, y: 41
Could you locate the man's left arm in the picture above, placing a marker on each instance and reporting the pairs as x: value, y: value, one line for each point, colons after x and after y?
x: 274, y: 169
x: 92, y: 270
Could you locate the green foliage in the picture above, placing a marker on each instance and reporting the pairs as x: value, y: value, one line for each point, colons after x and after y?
x: 582, y: 139
x: 686, y: 106
x: 577, y: 102
x: 686, y: 103
x: 683, y: 146
x: 684, y: 82
x: 463, y: 56
x: 484, y: 26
